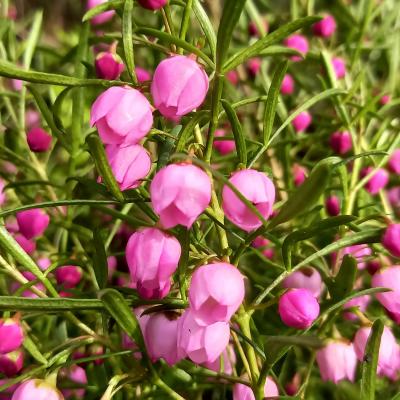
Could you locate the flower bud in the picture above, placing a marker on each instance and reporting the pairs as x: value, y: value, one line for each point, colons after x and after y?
x: 302, y: 121
x: 223, y: 146
x: 130, y: 164
x: 287, y: 86
x: 179, y: 86
x: 161, y: 337
x: 153, y: 4
x: 298, y: 308
x: 258, y: 189
x: 109, y: 66
x: 179, y: 194
x: 122, y: 115
x: 100, y: 18
x: 3, y: 197
x: 332, y: 206
x: 11, y: 335
x: 385, y: 99
x: 32, y: 223
x: 261, y: 243
x: 11, y: 363
x: 254, y: 66
x: 360, y: 302
x: 299, y: 174
x: 305, y: 278
x: 377, y: 181
x: 233, y: 77
x: 394, y: 162
x: 326, y: 27
x: 39, y: 141
x: 209, y: 300
x: 29, y: 246
x: 142, y: 75
x: 299, y: 43
x: 341, y: 142
x: 77, y: 375
x: 228, y: 360
x: 68, y: 275
x: 337, y: 361
x: 360, y: 252
x: 389, y: 351
x: 202, y: 344
x: 152, y: 257
x: 391, y: 239
x: 393, y: 195
x: 243, y: 392
x: 339, y: 66
x: 37, y: 389
x: 32, y: 118
x: 253, y: 29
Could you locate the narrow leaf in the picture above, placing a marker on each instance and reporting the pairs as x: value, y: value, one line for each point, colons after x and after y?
x: 184, y: 134
x: 100, y: 260
x: 206, y: 26
x: 33, y: 350
x: 343, y: 282
x: 127, y: 19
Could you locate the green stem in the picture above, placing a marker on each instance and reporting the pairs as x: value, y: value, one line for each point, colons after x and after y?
x: 185, y: 22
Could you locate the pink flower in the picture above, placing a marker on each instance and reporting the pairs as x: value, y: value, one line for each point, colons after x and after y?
x: 339, y: 66
x: 223, y: 146
x: 262, y: 243
x: 37, y: 389
x: 337, y: 361
x: 287, y: 86
x: 39, y: 141
x: 258, y: 189
x: 360, y: 252
x: 209, y: 300
x: 101, y: 18
x: 28, y: 292
x: 298, y: 308
x: 228, y: 358
x: 11, y: 335
x: 153, y: 4
x: 68, y: 275
x: 389, y: 278
x: 243, y: 392
x: 77, y: 375
x: 32, y: 118
x: 389, y: 351
x: 142, y: 75
x: 302, y: 121
x: 179, y: 194
x: 394, y: 162
x: 254, y: 66
x: 326, y: 27
x: 109, y: 65
x: 385, y: 99
x: 233, y: 77
x: 130, y: 164
x: 122, y: 116
x: 202, y: 344
x: 161, y: 338
x: 29, y: 246
x: 11, y: 363
x: 332, y: 206
x: 253, y: 29
x: 44, y: 263
x: 377, y: 181
x: 305, y: 278
x: 152, y: 257
x: 393, y: 195
x: 179, y: 86
x: 391, y: 239
x: 341, y: 142
x: 32, y: 223
x: 360, y: 302
x: 299, y: 43
x: 3, y: 196
x: 299, y: 174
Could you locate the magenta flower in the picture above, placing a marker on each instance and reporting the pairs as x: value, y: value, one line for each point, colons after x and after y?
x: 258, y: 189
x: 299, y: 174
x: 179, y: 194
x: 341, y: 142
x: 209, y: 300
x: 11, y: 335
x: 254, y: 66
x: 161, y: 338
x: 32, y: 223
x: 130, y: 164
x: 262, y: 243
x: 201, y: 343
x: 68, y: 275
x: 306, y: 278
x: 326, y: 27
x: 391, y: 239
x: 152, y: 257
x: 332, y: 206
x: 153, y: 4
x: 122, y: 116
x: 360, y: 302
x: 101, y: 18
x: 298, y: 308
x: 360, y: 252
x: 339, y: 66
x: 109, y: 65
x: 179, y: 86
x: 337, y: 361
x: 11, y: 363
x: 223, y: 146
x: 3, y: 197
x: 389, y: 351
x: 142, y: 75
x: 233, y: 77
x: 377, y: 181
x: 37, y: 389
x: 302, y: 121
x: 299, y: 43
x: 394, y: 162
x: 32, y: 118
x: 39, y: 141
x: 77, y: 375
x: 243, y: 392
x: 29, y: 246
x: 253, y: 30
x: 287, y: 86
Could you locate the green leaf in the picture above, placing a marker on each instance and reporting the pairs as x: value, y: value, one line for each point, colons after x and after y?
x: 274, y: 37
x: 167, y: 148
x: 127, y: 40
x: 314, y: 230
x: 237, y: 132
x: 108, y: 5
x: 370, y: 361
x: 343, y: 282
x: 57, y: 108
x: 230, y: 17
x: 10, y: 246
x: 272, y: 100
x: 311, y: 342
x: 166, y: 37
x: 97, y: 151
x: 100, y: 264
x: 116, y: 305
x: 184, y: 134
x: 206, y: 26
x: 33, y: 350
